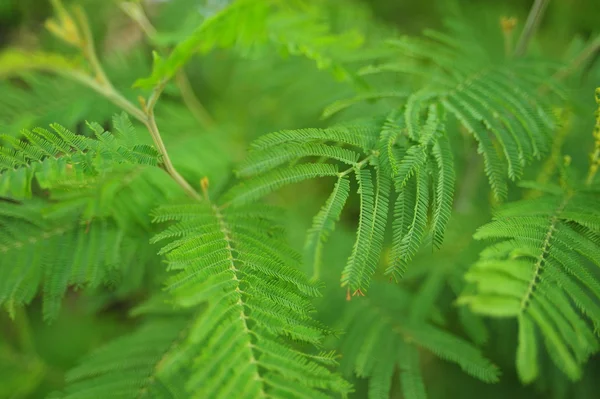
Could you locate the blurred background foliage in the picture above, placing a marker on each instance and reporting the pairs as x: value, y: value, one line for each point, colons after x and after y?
x: 243, y: 98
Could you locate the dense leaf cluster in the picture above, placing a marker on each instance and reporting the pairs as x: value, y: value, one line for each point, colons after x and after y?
x: 182, y: 228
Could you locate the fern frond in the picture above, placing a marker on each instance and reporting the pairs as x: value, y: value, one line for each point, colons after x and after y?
x: 55, y: 253
x: 382, y: 338
x: 444, y: 189
x: 60, y: 156
x: 261, y: 161
x: 258, y: 187
x: 539, y: 272
x: 129, y: 366
x: 296, y: 29
x: 361, y: 136
x: 324, y: 223
x: 364, y: 259
x: 493, y: 165
x: 254, y: 305
x: 389, y: 166
x: 410, y: 242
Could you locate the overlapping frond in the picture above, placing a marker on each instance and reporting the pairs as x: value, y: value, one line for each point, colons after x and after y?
x: 89, y: 235
x: 496, y: 101
x: 59, y: 156
x: 54, y: 253
x: 26, y: 105
x: 233, y: 266
x: 493, y: 101
x: 383, y: 341
x: 542, y: 270
x: 128, y: 367
x: 387, y: 162
x: 324, y: 223
x: 295, y: 28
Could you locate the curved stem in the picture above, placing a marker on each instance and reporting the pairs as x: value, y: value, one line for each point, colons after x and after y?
x: 595, y: 155
x: 533, y: 21
x: 102, y: 85
x: 160, y: 145
x: 356, y: 166
x: 588, y: 52
x: 191, y: 101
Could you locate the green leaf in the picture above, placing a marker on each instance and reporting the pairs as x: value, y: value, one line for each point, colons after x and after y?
x: 257, y: 187
x: 527, y: 365
x: 324, y: 223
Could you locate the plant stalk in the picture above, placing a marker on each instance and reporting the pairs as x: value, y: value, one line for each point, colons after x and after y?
x: 137, y: 14
x: 150, y: 123
x: 581, y: 58
x: 531, y: 25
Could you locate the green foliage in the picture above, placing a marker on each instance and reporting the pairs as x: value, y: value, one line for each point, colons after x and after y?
x: 165, y: 252
x: 234, y: 262
x: 291, y: 27
x: 60, y: 157
x: 385, y: 336
x: 540, y: 271
x: 54, y: 253
x: 411, y: 149
x: 104, y: 372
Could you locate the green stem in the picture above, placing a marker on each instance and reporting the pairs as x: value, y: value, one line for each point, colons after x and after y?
x: 357, y: 165
x: 89, y: 50
x: 191, y: 100
x: 102, y: 85
x: 137, y: 14
x: 150, y: 123
x: 583, y: 56
x: 595, y: 155
x: 531, y: 25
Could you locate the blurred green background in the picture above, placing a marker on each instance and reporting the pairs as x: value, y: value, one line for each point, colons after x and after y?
x: 247, y: 98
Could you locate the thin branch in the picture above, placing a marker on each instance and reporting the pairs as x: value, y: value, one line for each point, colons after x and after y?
x: 136, y: 12
x: 102, y: 84
x: 88, y: 48
x: 595, y: 155
x: 581, y: 58
x: 531, y: 25
x: 191, y: 101
x: 150, y: 123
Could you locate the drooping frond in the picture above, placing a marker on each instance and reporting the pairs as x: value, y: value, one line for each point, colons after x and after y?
x: 409, y: 242
x: 496, y: 101
x: 270, y: 158
x: 362, y: 136
x: 443, y: 189
x: 383, y: 341
x: 130, y: 366
x: 324, y: 223
x: 260, y: 186
x: 233, y: 267
x: 541, y: 270
x: 371, y: 229
x: 55, y: 253
x: 387, y: 161
x: 60, y: 156
x: 295, y: 28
